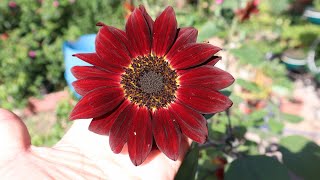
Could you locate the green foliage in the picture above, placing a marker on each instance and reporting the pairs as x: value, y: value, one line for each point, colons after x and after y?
x: 291, y: 118
x: 278, y: 73
x: 57, y: 129
x: 256, y: 167
x: 249, y: 86
x: 31, y: 54
x: 301, y: 156
x: 207, y: 164
x: 300, y: 35
x: 275, y: 126
x: 209, y: 29
x: 249, y: 54
x: 277, y: 6
x: 253, y: 53
x: 189, y: 166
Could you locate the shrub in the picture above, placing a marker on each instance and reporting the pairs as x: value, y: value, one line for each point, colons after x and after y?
x: 31, y: 37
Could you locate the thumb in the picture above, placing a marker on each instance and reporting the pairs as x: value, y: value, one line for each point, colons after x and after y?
x: 14, y: 136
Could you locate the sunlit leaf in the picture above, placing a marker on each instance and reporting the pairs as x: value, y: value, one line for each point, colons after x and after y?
x: 275, y: 126
x: 250, y: 86
x: 249, y: 148
x: 249, y: 54
x: 291, y: 118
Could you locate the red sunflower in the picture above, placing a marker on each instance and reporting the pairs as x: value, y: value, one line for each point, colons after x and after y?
x: 251, y: 8
x: 151, y: 82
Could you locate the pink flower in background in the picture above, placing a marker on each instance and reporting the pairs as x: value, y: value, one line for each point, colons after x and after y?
x: 4, y: 36
x: 32, y: 54
x: 219, y: 1
x: 55, y: 3
x: 12, y: 4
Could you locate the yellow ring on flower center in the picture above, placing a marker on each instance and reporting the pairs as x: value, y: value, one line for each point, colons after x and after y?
x: 149, y: 81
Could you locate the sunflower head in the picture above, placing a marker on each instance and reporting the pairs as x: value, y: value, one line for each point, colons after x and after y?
x: 150, y: 84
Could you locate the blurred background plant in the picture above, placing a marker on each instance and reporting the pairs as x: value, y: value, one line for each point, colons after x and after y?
x: 32, y: 34
x: 249, y: 141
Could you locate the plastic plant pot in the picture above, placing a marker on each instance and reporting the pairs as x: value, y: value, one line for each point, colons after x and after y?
x: 294, y: 59
x: 312, y: 15
x: 313, y: 57
x: 85, y: 43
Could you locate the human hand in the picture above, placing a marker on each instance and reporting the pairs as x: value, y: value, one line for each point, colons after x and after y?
x: 80, y: 154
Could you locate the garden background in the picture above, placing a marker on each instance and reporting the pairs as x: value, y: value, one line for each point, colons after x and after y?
x: 272, y: 130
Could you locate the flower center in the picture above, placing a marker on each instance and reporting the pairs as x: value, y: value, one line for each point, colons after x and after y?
x: 149, y: 81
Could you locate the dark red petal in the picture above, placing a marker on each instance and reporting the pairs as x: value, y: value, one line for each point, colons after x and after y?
x: 207, y: 77
x: 203, y: 100
x: 164, y: 32
x: 166, y: 133
x: 147, y: 17
x: 213, y: 60
x: 94, y: 59
x: 81, y: 72
x: 138, y: 33
x: 102, y: 125
x: 123, y: 38
x: 120, y: 128
x: 97, y: 102
x: 83, y: 86
x: 191, y: 123
x: 111, y: 48
x: 192, y: 55
x: 185, y: 36
x: 140, y: 137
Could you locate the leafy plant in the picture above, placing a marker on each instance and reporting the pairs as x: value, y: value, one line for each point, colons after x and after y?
x: 32, y: 36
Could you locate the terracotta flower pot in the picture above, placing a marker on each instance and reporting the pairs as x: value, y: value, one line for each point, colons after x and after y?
x: 291, y: 106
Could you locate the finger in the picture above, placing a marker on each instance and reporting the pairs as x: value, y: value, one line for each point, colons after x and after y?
x: 14, y: 135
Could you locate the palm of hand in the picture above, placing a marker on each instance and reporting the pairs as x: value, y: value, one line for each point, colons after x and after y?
x: 80, y: 154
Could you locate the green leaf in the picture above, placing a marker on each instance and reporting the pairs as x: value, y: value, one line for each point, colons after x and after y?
x: 189, y: 166
x: 249, y: 148
x: 207, y: 30
x: 208, y: 116
x: 291, y: 118
x: 275, y: 126
x: 301, y: 156
x: 255, y: 118
x: 219, y: 127
x: 250, y: 86
x: 239, y: 131
x: 226, y: 92
x: 257, y: 115
x: 277, y: 7
x: 256, y: 168
x: 249, y: 54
